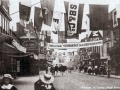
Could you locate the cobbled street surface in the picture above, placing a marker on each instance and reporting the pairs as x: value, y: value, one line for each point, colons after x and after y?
x: 72, y: 81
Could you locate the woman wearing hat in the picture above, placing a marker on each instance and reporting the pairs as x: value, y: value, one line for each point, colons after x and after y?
x: 6, y: 83
x: 46, y: 82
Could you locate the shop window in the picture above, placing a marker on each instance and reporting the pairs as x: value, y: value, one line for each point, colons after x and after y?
x: 3, y: 23
x: 13, y: 65
x: 18, y: 66
x: 0, y: 19
x: 115, y: 18
x: 6, y: 25
x: 117, y: 34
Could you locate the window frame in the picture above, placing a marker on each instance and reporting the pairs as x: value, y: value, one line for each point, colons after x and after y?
x: 0, y: 20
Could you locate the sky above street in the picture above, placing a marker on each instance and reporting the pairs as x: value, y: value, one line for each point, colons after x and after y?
x: 14, y: 7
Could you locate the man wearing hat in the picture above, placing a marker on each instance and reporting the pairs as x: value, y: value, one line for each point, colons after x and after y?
x: 45, y: 83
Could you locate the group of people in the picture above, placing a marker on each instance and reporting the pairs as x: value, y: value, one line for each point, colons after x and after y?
x: 56, y: 70
x: 93, y: 70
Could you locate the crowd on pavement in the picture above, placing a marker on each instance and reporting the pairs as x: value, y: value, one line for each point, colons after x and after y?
x: 96, y: 70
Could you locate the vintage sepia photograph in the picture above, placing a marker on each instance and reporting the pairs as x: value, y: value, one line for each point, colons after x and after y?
x: 59, y: 44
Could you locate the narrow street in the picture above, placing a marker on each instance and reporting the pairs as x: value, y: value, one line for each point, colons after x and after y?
x: 72, y: 81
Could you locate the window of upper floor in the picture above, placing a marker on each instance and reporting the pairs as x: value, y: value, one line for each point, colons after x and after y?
x: 0, y: 20
x: 3, y: 22
x: 108, y: 45
x: 116, y: 34
x: 114, y: 14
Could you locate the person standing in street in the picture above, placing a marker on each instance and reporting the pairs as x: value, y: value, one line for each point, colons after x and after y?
x: 56, y: 69
x: 52, y: 69
x: 61, y: 69
x: 6, y: 83
x: 45, y: 83
x: 64, y: 69
x: 108, y: 71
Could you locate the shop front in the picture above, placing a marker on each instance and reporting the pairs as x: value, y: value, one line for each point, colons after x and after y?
x: 114, y: 63
x: 7, y: 64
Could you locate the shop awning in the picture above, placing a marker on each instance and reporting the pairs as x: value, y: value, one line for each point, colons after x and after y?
x: 4, y: 37
x: 7, y: 48
x: 23, y: 55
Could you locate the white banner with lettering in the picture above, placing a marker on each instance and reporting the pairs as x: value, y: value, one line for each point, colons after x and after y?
x: 73, y: 16
x: 74, y: 45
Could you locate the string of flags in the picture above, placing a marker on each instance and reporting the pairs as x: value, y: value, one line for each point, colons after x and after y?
x: 50, y: 16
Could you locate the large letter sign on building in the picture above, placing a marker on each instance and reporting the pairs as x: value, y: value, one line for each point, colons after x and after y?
x: 72, y: 18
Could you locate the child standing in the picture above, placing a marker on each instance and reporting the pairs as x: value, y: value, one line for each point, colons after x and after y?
x: 7, y: 83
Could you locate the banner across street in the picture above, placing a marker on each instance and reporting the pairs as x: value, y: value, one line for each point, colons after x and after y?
x: 74, y: 45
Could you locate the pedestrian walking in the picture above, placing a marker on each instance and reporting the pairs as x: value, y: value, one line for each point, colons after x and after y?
x: 64, y: 69
x: 61, y: 69
x: 52, y: 69
x: 85, y: 68
x: 45, y: 83
x: 48, y: 69
x: 116, y: 69
x: 96, y: 70
x: 89, y: 69
x: 80, y: 69
x: 56, y: 69
x: 6, y: 83
x: 108, y: 71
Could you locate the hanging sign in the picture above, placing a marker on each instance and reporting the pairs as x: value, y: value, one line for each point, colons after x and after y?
x: 74, y: 45
x: 73, y: 16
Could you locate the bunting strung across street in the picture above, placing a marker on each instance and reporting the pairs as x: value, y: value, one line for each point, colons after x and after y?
x: 48, y: 7
x: 73, y: 19
x: 24, y: 12
x: 98, y: 17
x: 38, y: 18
